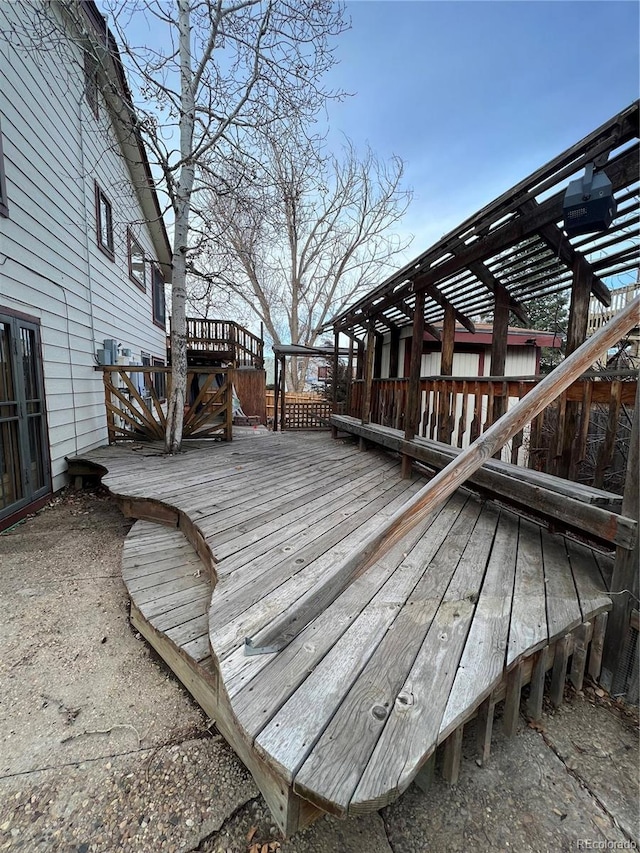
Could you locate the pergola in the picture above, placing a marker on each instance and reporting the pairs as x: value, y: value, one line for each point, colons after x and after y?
x: 512, y: 251
x: 283, y: 351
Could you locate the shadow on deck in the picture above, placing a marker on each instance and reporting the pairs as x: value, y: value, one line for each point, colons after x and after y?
x: 474, y: 603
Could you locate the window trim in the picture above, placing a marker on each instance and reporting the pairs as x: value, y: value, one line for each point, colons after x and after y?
x: 131, y: 241
x: 107, y: 250
x: 161, y: 323
x: 4, y: 201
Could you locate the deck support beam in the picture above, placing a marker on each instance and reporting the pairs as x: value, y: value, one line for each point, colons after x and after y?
x: 559, y: 672
x: 512, y: 701
x: 597, y: 645
x: 579, y: 656
x: 452, y: 756
x: 624, y: 583
x: 536, y: 690
x: 425, y: 777
x: 485, y: 728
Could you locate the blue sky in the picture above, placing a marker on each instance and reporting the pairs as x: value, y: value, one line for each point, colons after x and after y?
x: 476, y: 94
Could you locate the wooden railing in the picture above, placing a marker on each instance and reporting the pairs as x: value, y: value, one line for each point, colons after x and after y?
x: 227, y: 340
x: 457, y: 410
x: 600, y: 314
x: 136, y: 403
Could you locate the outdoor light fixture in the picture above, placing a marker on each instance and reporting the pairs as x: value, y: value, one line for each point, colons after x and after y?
x: 589, y: 205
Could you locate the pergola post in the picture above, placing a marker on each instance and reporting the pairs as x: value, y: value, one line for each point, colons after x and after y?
x: 349, y: 377
x: 499, y: 349
x: 624, y: 582
x: 360, y: 361
x: 276, y: 393
x: 576, y: 334
x: 394, y: 352
x: 413, y: 396
x: 446, y: 369
x: 377, y: 363
x: 335, y: 368
x: 283, y: 379
x: 368, y: 374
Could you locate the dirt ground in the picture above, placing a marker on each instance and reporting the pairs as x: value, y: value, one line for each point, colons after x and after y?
x: 102, y: 750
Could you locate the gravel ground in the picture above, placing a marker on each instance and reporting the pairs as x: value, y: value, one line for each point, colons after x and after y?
x: 102, y: 750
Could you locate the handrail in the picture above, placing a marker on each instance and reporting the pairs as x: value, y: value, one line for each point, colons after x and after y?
x: 433, y: 496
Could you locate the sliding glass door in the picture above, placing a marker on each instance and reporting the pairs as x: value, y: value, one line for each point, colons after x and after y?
x: 24, y: 459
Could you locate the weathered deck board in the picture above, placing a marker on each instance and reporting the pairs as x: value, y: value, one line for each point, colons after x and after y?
x: 412, y: 729
x: 281, y: 677
x: 482, y: 663
x: 528, y: 628
x: 563, y: 608
x: 407, y: 596
x: 290, y: 577
x: 349, y: 711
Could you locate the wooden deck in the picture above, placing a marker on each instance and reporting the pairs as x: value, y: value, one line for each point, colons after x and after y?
x: 472, y: 604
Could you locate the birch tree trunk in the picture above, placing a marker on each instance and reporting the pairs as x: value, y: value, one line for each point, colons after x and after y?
x: 182, y: 209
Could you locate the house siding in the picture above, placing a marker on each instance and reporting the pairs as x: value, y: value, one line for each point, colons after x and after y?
x: 51, y: 266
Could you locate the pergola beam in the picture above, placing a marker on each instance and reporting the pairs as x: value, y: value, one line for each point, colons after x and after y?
x: 621, y: 172
x: 441, y: 300
x: 555, y: 239
x: 484, y: 274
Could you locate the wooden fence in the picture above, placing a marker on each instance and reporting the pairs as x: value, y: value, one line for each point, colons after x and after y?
x: 292, y: 397
x: 136, y: 403
x: 457, y: 410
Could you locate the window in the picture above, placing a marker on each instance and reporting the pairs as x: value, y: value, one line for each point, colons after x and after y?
x: 91, y: 83
x: 159, y: 314
x: 4, y: 202
x: 160, y: 380
x: 104, y: 223
x: 136, y: 262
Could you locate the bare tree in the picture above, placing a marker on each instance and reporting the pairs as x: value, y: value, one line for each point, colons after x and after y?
x: 302, y: 236
x: 207, y: 75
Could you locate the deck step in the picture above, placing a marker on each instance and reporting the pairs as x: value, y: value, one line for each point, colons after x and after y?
x: 168, y: 585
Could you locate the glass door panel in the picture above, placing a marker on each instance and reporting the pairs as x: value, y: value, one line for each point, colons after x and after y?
x: 24, y: 469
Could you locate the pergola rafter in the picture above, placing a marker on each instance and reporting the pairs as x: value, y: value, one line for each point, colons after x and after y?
x: 515, y: 246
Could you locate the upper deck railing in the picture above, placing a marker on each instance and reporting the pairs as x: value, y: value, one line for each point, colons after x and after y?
x: 226, y: 341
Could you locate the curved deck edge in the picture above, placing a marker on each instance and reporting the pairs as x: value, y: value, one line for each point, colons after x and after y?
x: 293, y: 805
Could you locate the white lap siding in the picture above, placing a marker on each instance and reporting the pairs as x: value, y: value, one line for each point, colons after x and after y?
x: 50, y: 265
